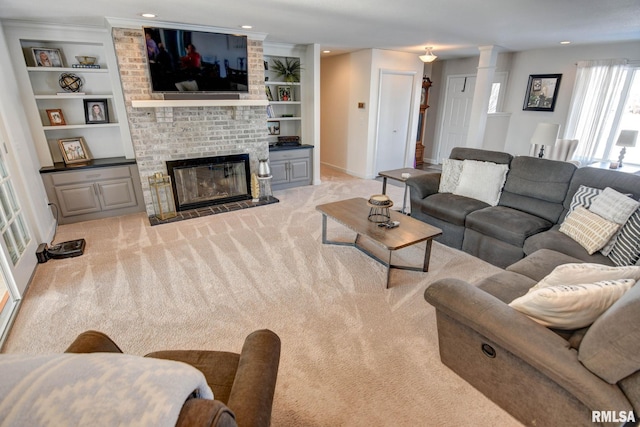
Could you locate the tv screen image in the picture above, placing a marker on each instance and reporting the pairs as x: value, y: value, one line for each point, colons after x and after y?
x: 196, y: 61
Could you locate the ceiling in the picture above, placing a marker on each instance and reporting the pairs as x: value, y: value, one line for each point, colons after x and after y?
x: 454, y: 28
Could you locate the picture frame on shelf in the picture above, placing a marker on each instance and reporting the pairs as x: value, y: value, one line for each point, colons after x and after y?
x: 267, y: 91
x: 56, y: 118
x: 74, y: 150
x: 273, y: 128
x: 542, y: 92
x: 96, y: 111
x: 47, y: 57
x: 284, y: 93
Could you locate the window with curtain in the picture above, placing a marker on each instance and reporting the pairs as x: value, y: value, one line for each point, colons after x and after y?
x: 606, y: 100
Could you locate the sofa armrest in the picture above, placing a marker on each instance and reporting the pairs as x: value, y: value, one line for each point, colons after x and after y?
x: 251, y: 396
x: 93, y: 342
x: 424, y: 185
x: 533, y: 343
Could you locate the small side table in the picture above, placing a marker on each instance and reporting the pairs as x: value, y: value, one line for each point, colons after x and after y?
x: 396, y: 174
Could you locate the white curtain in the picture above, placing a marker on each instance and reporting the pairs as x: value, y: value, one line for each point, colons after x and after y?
x: 596, y: 95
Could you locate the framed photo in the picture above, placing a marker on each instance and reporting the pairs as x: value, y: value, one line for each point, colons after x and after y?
x: 96, y: 111
x: 542, y: 92
x: 284, y: 93
x: 267, y: 90
x: 74, y: 150
x: 56, y: 118
x: 47, y: 57
x: 273, y: 128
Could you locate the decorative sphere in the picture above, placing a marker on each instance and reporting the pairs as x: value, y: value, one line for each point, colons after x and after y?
x: 70, y: 82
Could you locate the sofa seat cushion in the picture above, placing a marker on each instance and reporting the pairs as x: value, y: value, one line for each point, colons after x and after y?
x: 505, y: 224
x: 555, y: 240
x: 451, y: 207
x: 611, y: 347
x: 540, y: 263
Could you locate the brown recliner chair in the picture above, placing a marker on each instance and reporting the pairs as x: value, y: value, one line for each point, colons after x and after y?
x: 242, y: 384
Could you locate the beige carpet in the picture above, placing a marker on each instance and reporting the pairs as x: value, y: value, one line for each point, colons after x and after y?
x: 353, y: 352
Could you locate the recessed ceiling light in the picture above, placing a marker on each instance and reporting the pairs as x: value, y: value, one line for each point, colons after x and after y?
x: 246, y: 27
x: 326, y: 51
x: 148, y: 15
x: 565, y: 42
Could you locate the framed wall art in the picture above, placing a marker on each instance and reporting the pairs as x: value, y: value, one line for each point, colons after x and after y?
x: 284, y: 93
x: 47, y: 57
x: 96, y: 111
x: 56, y: 118
x: 542, y: 92
x: 74, y: 150
x: 273, y: 128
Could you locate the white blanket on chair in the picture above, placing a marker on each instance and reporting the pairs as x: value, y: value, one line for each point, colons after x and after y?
x: 97, y: 389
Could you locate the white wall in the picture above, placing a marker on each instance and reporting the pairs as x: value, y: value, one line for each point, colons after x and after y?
x: 519, y: 65
x: 347, y: 132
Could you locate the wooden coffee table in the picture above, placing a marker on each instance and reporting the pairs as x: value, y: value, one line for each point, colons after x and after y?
x: 354, y: 213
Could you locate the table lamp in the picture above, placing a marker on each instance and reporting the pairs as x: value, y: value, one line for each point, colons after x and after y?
x: 545, y: 134
x: 627, y: 138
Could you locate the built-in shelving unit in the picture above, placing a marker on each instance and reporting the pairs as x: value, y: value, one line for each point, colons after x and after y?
x: 41, y: 91
x: 284, y: 113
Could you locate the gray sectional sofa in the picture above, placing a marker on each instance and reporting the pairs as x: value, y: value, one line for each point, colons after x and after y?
x: 534, y: 201
x: 589, y: 376
x: 535, y: 373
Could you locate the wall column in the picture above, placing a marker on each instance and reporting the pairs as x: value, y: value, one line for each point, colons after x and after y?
x: 481, y: 95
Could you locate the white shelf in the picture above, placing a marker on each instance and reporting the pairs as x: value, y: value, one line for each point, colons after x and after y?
x: 67, y: 70
x: 73, y: 96
x: 284, y: 102
x: 282, y: 119
x: 269, y: 82
x: 84, y: 126
x: 159, y: 103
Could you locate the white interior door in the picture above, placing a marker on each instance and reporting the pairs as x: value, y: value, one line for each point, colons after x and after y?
x: 394, y: 118
x: 457, y: 112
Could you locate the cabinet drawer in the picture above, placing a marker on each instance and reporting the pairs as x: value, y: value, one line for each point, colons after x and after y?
x: 96, y: 174
x: 289, y: 154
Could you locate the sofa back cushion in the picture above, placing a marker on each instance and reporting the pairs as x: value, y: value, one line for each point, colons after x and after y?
x: 463, y: 153
x: 537, y: 186
x: 611, y: 347
x: 622, y: 182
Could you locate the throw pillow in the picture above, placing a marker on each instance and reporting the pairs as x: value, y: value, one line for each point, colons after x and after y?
x: 451, y: 170
x: 584, y: 196
x: 588, y: 229
x: 571, y: 306
x: 626, y: 250
x: 482, y: 181
x: 577, y: 273
x: 614, y: 206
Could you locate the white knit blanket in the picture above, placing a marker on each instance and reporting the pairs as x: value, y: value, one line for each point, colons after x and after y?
x: 98, y: 389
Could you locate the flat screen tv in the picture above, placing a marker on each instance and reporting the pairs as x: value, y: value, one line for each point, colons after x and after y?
x: 196, y: 61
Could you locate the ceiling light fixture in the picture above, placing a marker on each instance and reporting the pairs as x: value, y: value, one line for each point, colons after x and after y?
x: 148, y: 15
x: 565, y: 42
x: 246, y: 27
x: 429, y: 56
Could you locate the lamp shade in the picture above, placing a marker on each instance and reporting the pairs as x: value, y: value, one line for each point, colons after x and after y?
x: 545, y: 134
x: 627, y: 138
x: 429, y: 56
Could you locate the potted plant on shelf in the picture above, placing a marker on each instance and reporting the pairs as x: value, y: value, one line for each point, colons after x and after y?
x: 289, y: 69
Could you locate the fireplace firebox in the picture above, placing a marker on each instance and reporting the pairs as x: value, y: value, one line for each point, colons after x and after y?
x: 210, y: 180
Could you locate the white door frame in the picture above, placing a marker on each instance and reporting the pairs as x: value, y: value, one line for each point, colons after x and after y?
x: 410, y: 123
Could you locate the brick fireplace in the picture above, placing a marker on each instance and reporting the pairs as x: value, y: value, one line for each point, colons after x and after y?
x: 168, y: 134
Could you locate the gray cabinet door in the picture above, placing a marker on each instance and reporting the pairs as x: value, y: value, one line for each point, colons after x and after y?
x: 77, y: 199
x: 279, y: 171
x: 116, y: 194
x: 299, y: 170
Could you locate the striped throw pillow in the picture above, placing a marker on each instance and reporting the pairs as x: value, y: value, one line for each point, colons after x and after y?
x: 584, y: 196
x: 626, y: 251
x: 588, y: 229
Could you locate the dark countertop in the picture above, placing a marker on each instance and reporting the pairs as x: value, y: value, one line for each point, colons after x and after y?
x: 96, y: 163
x: 289, y: 147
